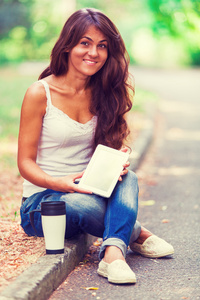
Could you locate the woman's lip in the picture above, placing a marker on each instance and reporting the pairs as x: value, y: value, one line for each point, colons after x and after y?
x: 89, y: 62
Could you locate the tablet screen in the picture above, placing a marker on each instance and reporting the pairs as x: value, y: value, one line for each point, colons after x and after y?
x: 103, y: 170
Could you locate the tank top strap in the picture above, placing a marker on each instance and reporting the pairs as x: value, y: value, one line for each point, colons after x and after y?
x: 47, y: 90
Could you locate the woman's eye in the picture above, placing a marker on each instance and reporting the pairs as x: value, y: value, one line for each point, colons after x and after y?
x: 84, y: 43
x: 102, y: 46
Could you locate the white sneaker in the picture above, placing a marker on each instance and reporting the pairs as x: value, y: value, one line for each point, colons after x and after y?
x: 153, y: 247
x: 116, y: 272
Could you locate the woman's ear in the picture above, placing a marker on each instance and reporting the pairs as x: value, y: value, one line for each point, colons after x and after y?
x: 66, y: 50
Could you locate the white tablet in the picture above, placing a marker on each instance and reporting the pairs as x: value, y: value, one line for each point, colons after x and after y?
x: 103, y: 170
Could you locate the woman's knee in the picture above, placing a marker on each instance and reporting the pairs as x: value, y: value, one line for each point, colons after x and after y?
x: 132, y: 178
x: 85, y: 212
x: 128, y: 187
x: 129, y: 193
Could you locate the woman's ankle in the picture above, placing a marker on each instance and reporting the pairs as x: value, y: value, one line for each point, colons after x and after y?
x: 112, y: 253
x: 144, y: 234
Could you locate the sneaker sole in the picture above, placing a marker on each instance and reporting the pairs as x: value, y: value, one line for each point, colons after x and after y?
x: 101, y: 273
x: 154, y: 255
x: 113, y: 280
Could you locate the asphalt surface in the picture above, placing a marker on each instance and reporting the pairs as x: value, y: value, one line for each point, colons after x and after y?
x: 169, y: 178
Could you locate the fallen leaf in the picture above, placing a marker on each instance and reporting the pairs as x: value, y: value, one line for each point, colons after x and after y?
x: 165, y: 221
x: 147, y: 203
x: 155, y: 260
x: 164, y: 207
x: 98, y: 242
x: 90, y: 288
x: 151, y: 182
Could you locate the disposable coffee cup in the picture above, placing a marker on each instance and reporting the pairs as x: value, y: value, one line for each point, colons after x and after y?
x: 53, y: 215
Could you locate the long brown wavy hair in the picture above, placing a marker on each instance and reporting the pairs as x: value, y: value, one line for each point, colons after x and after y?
x: 111, y: 97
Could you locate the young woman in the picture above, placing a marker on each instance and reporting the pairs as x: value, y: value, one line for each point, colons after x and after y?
x: 80, y: 101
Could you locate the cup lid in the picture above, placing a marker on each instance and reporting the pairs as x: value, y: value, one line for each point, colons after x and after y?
x: 53, y: 208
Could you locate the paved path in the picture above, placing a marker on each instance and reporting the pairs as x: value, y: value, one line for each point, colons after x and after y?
x: 170, y: 176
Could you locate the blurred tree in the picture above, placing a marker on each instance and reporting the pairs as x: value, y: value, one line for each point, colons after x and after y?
x: 179, y: 19
x: 14, y: 25
x: 154, y: 31
x: 29, y: 28
x: 14, y: 13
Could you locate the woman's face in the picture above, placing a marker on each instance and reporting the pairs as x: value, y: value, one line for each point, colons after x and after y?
x: 90, y: 54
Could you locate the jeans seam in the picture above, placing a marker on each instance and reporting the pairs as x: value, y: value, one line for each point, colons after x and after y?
x: 107, y: 229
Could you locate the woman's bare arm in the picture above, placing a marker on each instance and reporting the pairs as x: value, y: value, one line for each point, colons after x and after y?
x: 32, y: 113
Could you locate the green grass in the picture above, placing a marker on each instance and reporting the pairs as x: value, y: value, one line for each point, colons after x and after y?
x: 143, y: 98
x: 13, y: 86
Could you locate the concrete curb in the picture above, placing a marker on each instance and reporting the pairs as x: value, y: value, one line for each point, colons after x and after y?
x: 141, y: 145
x: 40, y: 280
x: 143, y: 141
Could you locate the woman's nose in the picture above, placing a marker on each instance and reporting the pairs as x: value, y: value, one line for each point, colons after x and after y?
x: 93, y: 51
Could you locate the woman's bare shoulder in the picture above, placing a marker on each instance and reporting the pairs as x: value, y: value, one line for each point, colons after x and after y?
x: 35, y: 98
x: 36, y: 92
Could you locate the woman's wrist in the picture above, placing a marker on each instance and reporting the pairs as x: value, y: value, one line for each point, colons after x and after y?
x: 52, y: 183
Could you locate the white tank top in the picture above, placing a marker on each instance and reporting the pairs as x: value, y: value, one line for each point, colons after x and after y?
x: 65, y: 145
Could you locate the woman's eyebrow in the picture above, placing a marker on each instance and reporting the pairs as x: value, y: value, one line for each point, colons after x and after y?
x: 88, y: 38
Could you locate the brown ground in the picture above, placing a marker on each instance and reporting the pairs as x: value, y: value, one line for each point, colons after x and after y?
x: 17, y: 250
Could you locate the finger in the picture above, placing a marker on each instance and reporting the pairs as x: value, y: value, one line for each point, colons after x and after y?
x: 81, y: 190
x: 84, y: 191
x: 125, y: 149
x: 124, y: 172
x: 78, y: 175
x: 127, y: 164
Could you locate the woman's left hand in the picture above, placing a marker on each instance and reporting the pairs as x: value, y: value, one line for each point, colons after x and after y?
x: 126, y: 165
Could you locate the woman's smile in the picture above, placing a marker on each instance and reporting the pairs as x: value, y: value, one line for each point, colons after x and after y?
x: 90, y: 54
x: 90, y: 62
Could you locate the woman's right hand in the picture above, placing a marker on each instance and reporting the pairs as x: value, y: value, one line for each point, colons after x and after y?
x: 67, y: 184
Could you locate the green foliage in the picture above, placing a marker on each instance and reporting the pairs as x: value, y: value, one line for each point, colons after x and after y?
x: 12, y: 89
x: 14, y: 13
x: 155, y: 32
x: 179, y: 19
x: 91, y: 3
x: 32, y: 32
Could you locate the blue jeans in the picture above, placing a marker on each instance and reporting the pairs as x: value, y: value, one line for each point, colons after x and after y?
x: 111, y: 218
